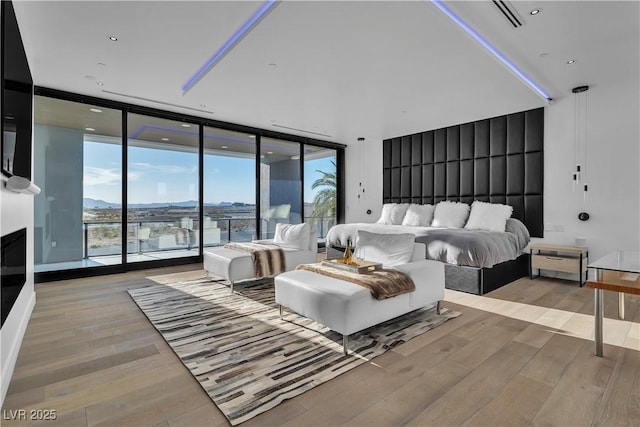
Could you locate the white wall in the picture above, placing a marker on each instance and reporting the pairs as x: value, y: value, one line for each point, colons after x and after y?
x: 16, y: 212
x: 613, y: 148
x: 363, y: 165
x: 613, y: 171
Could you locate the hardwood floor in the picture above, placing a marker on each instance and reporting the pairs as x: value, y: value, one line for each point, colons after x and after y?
x: 521, y: 355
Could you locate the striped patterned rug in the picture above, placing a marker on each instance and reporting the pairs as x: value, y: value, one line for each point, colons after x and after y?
x: 248, y: 359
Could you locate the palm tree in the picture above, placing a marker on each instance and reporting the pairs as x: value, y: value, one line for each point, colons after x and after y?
x: 324, y: 201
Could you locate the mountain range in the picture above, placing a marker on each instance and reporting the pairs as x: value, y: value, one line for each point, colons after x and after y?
x: 89, y: 203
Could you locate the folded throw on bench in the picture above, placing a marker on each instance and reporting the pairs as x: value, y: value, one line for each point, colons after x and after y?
x: 268, y: 260
x: 382, y: 284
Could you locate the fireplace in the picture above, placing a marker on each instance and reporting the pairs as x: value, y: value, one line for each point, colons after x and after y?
x: 14, y: 269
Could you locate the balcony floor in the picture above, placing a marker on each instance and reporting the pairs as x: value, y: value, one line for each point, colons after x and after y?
x: 99, y: 261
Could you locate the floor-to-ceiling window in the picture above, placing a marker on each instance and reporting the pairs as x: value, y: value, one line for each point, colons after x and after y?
x: 163, y: 208
x: 78, y: 166
x: 229, y: 187
x: 123, y: 184
x: 320, y: 188
x: 280, y: 184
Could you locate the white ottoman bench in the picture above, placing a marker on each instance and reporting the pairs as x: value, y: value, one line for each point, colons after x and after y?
x: 235, y: 266
x: 347, y: 308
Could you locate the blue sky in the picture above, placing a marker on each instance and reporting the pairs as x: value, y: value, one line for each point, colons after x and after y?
x: 171, y: 176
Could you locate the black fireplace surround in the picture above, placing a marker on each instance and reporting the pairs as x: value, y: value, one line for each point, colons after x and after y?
x: 13, y: 270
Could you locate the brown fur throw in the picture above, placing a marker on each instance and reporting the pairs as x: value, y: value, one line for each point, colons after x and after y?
x: 268, y: 260
x: 382, y: 284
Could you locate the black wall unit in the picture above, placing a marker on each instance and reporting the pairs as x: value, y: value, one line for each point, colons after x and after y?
x: 497, y: 160
x: 16, y: 97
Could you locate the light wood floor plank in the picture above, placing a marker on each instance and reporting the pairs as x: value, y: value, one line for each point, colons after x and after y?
x: 91, y: 354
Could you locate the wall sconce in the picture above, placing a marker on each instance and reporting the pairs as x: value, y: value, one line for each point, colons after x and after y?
x: 22, y: 185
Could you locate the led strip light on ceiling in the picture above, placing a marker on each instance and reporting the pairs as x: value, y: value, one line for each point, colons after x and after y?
x: 533, y: 85
x: 229, y: 44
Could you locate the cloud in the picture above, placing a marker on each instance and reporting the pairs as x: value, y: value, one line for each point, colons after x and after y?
x: 101, y: 176
x: 134, y: 176
x: 166, y: 169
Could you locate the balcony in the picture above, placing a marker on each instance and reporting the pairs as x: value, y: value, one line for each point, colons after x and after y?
x: 166, y: 239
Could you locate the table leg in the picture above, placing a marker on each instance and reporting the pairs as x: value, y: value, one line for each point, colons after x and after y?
x: 621, y: 305
x: 598, y: 314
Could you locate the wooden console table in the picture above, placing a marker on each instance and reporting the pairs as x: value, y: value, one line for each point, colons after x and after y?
x: 617, y: 272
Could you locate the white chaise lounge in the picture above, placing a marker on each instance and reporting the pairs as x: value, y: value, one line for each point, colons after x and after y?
x: 347, y: 308
x: 299, y: 247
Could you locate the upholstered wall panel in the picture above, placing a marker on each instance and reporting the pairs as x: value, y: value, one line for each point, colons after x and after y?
x: 498, y: 160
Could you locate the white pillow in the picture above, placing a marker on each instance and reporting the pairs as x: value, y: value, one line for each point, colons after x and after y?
x: 419, y: 215
x: 385, y: 215
x: 398, y: 212
x: 450, y: 214
x: 488, y: 216
x: 294, y: 236
x: 388, y: 249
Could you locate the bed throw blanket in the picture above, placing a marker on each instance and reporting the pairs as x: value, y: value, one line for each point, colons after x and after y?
x: 382, y: 284
x: 268, y: 260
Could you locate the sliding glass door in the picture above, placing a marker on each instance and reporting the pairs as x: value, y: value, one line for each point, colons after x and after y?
x: 78, y: 166
x: 124, y: 185
x: 280, y: 184
x: 229, y: 187
x: 320, y: 188
x: 163, y: 208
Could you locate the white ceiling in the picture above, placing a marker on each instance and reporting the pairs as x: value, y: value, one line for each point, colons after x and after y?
x: 376, y: 69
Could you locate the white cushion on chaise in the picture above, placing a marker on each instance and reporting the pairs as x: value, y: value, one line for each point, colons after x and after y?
x: 234, y: 265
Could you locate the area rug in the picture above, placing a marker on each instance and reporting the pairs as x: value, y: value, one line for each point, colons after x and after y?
x: 246, y: 357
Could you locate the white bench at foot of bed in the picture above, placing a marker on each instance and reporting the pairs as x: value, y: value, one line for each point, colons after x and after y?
x: 347, y: 308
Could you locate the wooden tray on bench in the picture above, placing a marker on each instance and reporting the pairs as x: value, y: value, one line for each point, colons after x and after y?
x: 359, y: 267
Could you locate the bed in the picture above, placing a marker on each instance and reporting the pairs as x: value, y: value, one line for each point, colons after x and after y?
x: 476, y: 260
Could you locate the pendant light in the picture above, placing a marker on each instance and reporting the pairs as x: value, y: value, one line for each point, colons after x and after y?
x: 580, y: 139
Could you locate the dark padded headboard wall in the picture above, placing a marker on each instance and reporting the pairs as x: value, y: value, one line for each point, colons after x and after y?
x: 497, y: 160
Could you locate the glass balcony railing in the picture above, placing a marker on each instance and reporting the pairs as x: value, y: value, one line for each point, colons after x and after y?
x: 104, y: 238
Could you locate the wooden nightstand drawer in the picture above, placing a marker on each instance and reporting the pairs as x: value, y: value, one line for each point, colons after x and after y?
x: 556, y: 263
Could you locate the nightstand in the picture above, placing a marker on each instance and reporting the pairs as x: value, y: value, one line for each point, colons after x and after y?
x: 567, y: 259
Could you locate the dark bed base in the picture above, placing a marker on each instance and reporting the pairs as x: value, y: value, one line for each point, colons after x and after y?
x: 480, y: 281
x: 473, y: 280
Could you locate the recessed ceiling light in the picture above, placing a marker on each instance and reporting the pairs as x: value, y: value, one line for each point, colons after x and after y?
x: 100, y: 84
x: 251, y: 136
x: 164, y: 139
x: 273, y: 64
x: 101, y: 64
x: 269, y: 152
x: 113, y: 39
x: 535, y: 11
x: 185, y: 125
x: 95, y: 110
x: 90, y: 129
x: 224, y: 147
x: 202, y: 105
x: 571, y: 61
